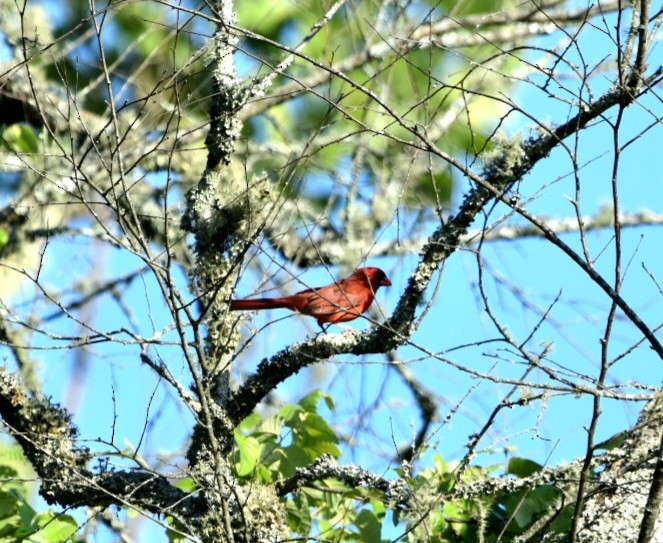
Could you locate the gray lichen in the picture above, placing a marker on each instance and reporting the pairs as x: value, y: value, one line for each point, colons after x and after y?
x: 620, y: 493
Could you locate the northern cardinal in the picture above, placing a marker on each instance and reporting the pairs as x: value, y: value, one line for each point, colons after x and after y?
x: 342, y: 301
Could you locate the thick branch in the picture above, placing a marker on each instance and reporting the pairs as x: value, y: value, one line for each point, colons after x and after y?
x: 47, y: 436
x: 326, y: 467
x: 624, y: 512
x: 652, y: 509
x: 623, y: 459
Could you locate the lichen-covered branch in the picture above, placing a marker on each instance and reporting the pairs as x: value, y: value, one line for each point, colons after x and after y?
x: 224, y: 212
x: 326, y: 467
x: 623, y: 512
x: 48, y: 439
x: 654, y: 504
x: 617, y: 508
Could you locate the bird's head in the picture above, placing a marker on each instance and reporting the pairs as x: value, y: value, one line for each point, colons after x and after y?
x: 376, y: 277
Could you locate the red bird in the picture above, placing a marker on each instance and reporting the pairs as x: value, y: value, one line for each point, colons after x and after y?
x: 342, y: 301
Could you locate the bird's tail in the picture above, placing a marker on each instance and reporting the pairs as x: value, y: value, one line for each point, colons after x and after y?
x: 258, y: 303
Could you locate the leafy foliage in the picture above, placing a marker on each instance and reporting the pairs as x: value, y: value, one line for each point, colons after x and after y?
x: 273, y: 448
x: 19, y: 521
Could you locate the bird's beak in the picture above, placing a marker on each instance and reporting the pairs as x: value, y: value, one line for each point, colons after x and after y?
x: 385, y: 282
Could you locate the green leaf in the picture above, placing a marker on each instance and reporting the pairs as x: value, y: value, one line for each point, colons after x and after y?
x: 311, y: 432
x: 266, y: 16
x: 292, y: 457
x: 250, y: 423
x: 441, y: 465
x: 528, y: 506
x: 249, y: 450
x: 21, y: 138
x: 9, y: 528
x: 187, y: 484
x: 316, y: 436
x: 379, y: 509
x: 8, y: 504
x: 310, y: 401
x: 563, y: 521
x: 522, y: 467
x: 289, y: 412
x: 525, y: 512
x: 614, y: 442
x: 272, y: 425
x: 369, y: 526
x: 50, y: 527
x: 432, y: 188
x: 469, y: 7
x: 299, y: 514
x: 4, y: 239
x: 27, y: 514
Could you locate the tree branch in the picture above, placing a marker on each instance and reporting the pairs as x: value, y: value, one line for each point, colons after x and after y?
x: 326, y: 467
x: 47, y: 437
